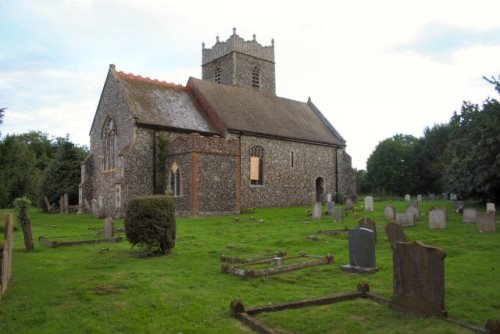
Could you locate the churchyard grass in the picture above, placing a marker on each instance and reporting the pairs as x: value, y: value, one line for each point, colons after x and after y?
x: 109, y: 288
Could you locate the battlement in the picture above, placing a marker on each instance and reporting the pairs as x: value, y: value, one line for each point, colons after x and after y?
x: 237, y: 44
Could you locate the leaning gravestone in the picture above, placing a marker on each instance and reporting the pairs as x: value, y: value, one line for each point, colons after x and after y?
x: 419, y: 198
x: 109, y: 227
x: 368, y: 203
x: 470, y: 215
x: 486, y: 222
x: 414, y: 211
x: 348, y: 204
x: 438, y: 219
x: 316, y: 213
x: 419, y: 278
x: 330, y: 207
x: 490, y: 207
x: 338, y: 214
x: 361, y: 252
x: 395, y: 234
x: 369, y: 224
x: 390, y: 213
x: 407, y: 197
x: 405, y: 219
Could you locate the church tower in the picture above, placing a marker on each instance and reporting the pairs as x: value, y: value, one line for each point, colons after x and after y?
x: 240, y: 63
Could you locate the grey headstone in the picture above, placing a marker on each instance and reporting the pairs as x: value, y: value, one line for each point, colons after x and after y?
x: 328, y: 197
x: 470, y: 215
x: 95, y: 207
x: 486, y: 222
x: 414, y: 204
x: 368, y: 203
x: 432, y: 197
x: 458, y: 205
x: 395, y: 234
x: 316, y: 212
x: 109, y: 227
x: 445, y: 195
x: 66, y: 203
x: 330, y: 206
x: 419, y: 198
x: 419, y: 278
x: 414, y: 211
x: 348, y: 204
x: 438, y: 218
x: 88, y: 208
x: 407, y: 197
x: 368, y: 223
x: 361, y: 251
x: 490, y: 207
x: 390, y: 213
x: 100, y: 202
x: 338, y: 214
x: 405, y: 219
x: 453, y: 197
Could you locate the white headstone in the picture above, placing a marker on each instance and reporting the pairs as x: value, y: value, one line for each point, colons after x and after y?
x: 390, y: 213
x: 316, y: 213
x: 453, y: 197
x: 419, y: 198
x: 490, y: 207
x: 368, y: 203
x: 407, y: 197
x: 328, y: 197
x: 438, y: 219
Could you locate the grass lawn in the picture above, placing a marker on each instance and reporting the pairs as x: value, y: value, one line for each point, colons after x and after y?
x: 108, y: 288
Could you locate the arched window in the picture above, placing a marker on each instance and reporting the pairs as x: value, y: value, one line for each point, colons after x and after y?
x: 109, y: 145
x: 217, y: 75
x: 257, y: 165
x: 256, y: 77
x: 175, y: 180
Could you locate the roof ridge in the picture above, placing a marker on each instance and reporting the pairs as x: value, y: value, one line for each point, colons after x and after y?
x: 150, y: 80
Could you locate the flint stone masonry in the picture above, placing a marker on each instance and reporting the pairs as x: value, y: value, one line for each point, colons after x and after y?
x: 419, y: 278
x: 405, y: 219
x: 390, y: 213
x: 395, y: 234
x: 469, y: 215
x: 438, y: 218
x: 490, y: 207
x: 368, y: 203
x: 486, y: 222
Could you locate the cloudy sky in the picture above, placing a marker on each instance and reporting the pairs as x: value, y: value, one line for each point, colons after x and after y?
x: 374, y: 68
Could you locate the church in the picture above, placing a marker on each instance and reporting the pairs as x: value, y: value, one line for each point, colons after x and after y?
x: 217, y: 145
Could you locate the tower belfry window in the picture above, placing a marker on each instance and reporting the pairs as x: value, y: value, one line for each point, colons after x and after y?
x: 217, y: 75
x: 256, y: 78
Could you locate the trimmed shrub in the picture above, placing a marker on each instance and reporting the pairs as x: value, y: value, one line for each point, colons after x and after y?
x: 150, y: 223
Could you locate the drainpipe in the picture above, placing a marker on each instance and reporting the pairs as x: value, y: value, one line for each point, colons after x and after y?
x: 336, y: 171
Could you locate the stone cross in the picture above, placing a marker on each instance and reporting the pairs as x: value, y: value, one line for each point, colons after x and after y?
x: 419, y: 278
x: 361, y: 251
x: 390, y: 213
x: 395, y: 234
x: 438, y: 219
x: 470, y: 215
x: 109, y: 227
x: 486, y: 222
x: 368, y: 203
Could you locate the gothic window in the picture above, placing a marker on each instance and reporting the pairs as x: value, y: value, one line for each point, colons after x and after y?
x: 257, y: 165
x: 175, y: 181
x: 109, y: 145
x: 256, y: 77
x: 217, y: 75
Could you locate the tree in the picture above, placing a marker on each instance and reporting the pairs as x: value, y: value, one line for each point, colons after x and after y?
x: 2, y: 112
x: 391, y: 166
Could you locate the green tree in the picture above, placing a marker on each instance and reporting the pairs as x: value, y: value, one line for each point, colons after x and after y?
x: 391, y: 166
x: 2, y: 112
x: 363, y: 186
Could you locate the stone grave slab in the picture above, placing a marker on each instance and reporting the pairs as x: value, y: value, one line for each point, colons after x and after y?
x: 405, y: 219
x: 368, y: 203
x: 490, y: 207
x: 338, y: 214
x: 361, y: 252
x: 438, y: 219
x: 316, y: 212
x: 368, y: 223
x: 419, y: 278
x: 469, y: 215
x: 486, y: 222
x: 395, y: 234
x: 390, y: 213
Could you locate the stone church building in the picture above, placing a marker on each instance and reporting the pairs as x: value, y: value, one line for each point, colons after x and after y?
x: 218, y: 144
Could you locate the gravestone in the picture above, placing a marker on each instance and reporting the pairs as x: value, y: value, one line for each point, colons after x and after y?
x: 407, y: 197
x: 338, y: 214
x: 445, y: 195
x: 348, y: 204
x: 86, y: 203
x: 438, y: 219
x: 432, y: 197
x: 405, y: 219
x: 414, y: 204
x: 453, y: 197
x: 395, y: 234
x: 490, y: 207
x: 95, y: 207
x: 109, y: 227
x: 419, y: 198
x: 369, y: 224
x: 486, y: 222
x: 361, y: 252
x: 368, y: 203
x: 414, y: 211
x: 419, y: 278
x: 330, y: 207
x: 100, y: 202
x: 458, y: 205
x: 316, y: 213
x: 470, y: 215
x: 328, y: 197
x: 390, y: 213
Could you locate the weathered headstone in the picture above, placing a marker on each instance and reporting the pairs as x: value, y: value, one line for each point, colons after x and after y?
x: 368, y: 203
x: 95, y: 207
x: 490, y: 207
x: 470, y: 215
x: 407, y: 197
x: 369, y: 224
x: 458, y: 205
x: 432, y: 197
x: 86, y: 203
x: 395, y: 234
x: 348, y: 204
x: 438, y: 218
x: 316, y: 212
x: 338, y: 214
x: 330, y: 206
x: 453, y: 197
x: 419, y: 198
x: 109, y: 227
x: 100, y: 202
x: 414, y: 211
x: 486, y: 222
x: 405, y: 219
x: 328, y: 197
x: 361, y: 251
x: 419, y: 278
x: 390, y: 213
x: 414, y: 204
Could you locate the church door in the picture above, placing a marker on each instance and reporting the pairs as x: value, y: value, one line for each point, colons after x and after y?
x: 319, y: 189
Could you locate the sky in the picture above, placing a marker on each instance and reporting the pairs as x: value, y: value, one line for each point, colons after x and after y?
x: 374, y: 68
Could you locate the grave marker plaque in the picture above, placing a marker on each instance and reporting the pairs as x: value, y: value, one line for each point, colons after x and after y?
x: 395, y: 234
x: 419, y: 198
x: 432, y: 197
x: 348, y: 204
x: 470, y: 215
x: 413, y: 210
x: 458, y: 205
x: 453, y: 197
x: 109, y: 227
x: 361, y: 252
x: 419, y: 278
x: 438, y: 219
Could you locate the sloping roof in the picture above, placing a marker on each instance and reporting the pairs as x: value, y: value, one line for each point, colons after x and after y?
x: 246, y: 110
x: 163, y: 104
